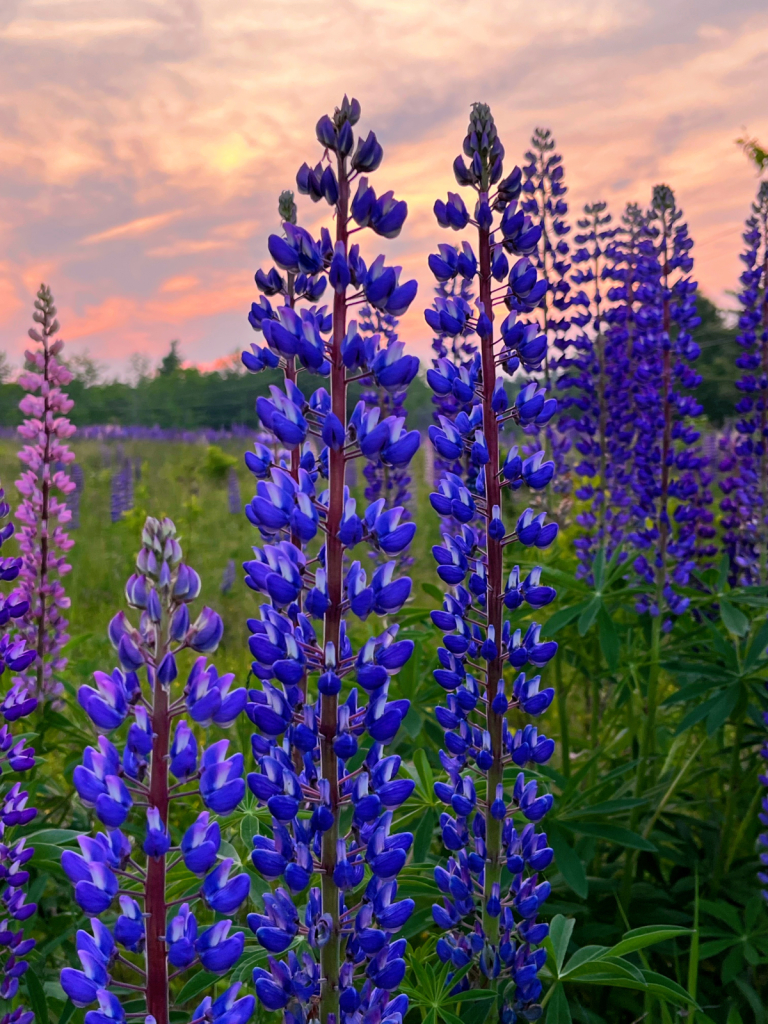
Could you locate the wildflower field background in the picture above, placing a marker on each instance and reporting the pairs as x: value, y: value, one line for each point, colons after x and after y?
x: 679, y: 857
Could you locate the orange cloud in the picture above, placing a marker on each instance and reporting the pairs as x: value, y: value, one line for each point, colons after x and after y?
x: 133, y: 228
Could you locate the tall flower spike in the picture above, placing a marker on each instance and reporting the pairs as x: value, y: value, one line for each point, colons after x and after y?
x: 391, y: 482
x: 496, y: 930
x: 593, y: 385
x: 543, y: 199
x: 745, y: 487
x: 310, y: 722
x: 668, y: 462
x: 15, y: 757
x: 43, y: 542
x: 137, y: 702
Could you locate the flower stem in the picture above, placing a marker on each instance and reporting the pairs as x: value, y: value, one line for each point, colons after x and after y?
x: 157, y: 964
x: 330, y: 954
x: 494, y: 596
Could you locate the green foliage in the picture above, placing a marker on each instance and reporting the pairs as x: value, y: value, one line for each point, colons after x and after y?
x: 217, y: 463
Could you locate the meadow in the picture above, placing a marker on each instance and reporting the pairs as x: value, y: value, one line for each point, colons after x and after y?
x: 678, y: 856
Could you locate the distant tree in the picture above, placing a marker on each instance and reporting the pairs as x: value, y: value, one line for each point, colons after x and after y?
x: 717, y: 391
x: 85, y: 369
x: 754, y: 152
x: 171, y: 362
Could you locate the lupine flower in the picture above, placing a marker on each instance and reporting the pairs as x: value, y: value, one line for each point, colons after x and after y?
x: 121, y: 491
x: 745, y: 487
x: 303, y: 744
x: 494, y: 930
x: 43, y: 549
x: 666, y: 456
x: 118, y: 787
x: 594, y: 384
x: 386, y: 476
x: 15, y: 757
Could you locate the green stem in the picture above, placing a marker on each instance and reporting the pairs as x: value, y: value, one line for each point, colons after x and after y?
x: 693, y: 958
x: 747, y: 821
x: 739, y: 717
x: 562, y: 710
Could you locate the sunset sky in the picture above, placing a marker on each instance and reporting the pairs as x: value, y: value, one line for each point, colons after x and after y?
x: 144, y: 142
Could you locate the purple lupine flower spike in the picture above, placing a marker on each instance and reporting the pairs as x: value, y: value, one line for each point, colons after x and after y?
x: 15, y: 757
x: 303, y: 744
x: 745, y: 461
x: 667, y: 459
x: 494, y: 928
x: 547, y: 333
x: 43, y: 542
x: 141, y: 700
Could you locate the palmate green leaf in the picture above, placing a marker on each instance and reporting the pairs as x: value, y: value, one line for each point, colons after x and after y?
x: 433, y: 591
x: 422, y: 837
x: 568, y: 861
x: 54, y: 836
x: 648, y: 935
x: 698, y: 668
x: 663, y: 987
x: 563, y: 617
x: 196, y: 984
x: 757, y: 648
x: 610, y: 644
x: 708, y: 949
x: 613, y: 834
x: 724, y: 649
x: 692, y: 691
x: 724, y: 912
x: 583, y: 956
x: 37, y: 999
x: 613, y: 806
x: 735, y: 622
x: 697, y: 714
x: 67, y: 1013
x: 424, y: 771
x: 477, y: 1010
x: 560, y: 931
x: 588, y: 616
x: 722, y: 709
x: 558, y: 1010
x: 598, y: 569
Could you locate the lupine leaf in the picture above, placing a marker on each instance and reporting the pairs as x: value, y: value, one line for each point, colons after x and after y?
x: 422, y: 837
x: 37, y: 999
x: 614, y: 834
x: 721, y: 710
x: 665, y: 988
x: 735, y: 622
x: 757, y: 648
x: 424, y: 769
x: 568, y: 861
x: 53, y: 836
x: 610, y: 644
x: 724, y: 912
x: 694, y: 716
x: 67, y: 1013
x: 589, y: 615
x: 558, y: 1010
x: 562, y: 618
x: 196, y: 984
x: 582, y: 956
x: 560, y: 931
x: 648, y: 935
x: 433, y: 591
